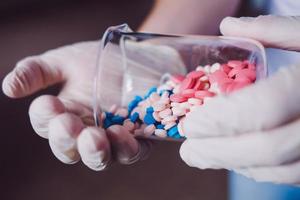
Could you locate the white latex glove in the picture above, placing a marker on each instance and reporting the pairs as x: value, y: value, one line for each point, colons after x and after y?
x: 66, y: 120
x: 254, y: 131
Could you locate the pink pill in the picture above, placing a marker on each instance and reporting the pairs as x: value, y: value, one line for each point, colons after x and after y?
x: 195, y: 101
x: 242, y: 78
x: 169, y: 125
x: 204, y: 78
x: 187, y: 83
x: 217, y: 75
x: 164, y: 100
x: 236, y: 64
x: 206, y: 86
x: 188, y: 93
x: 177, y: 98
x: 225, y: 80
x: 165, y: 113
x: 159, y: 106
x: 204, y: 93
x: 156, y: 116
x: 178, y: 111
x: 122, y: 112
x: 199, y: 85
x: 195, y: 74
x: 142, y: 113
x: 169, y: 119
x: 173, y: 104
x: 225, y: 68
x: 177, y: 78
x: 247, y: 73
x: 154, y: 97
x: 233, y: 72
x: 160, y: 133
x: 149, y: 130
x: 184, y: 105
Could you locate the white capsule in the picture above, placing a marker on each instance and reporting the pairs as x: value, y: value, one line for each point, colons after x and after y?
x: 215, y: 67
x: 195, y: 101
x: 207, y: 69
x: 159, y: 106
x: 160, y: 133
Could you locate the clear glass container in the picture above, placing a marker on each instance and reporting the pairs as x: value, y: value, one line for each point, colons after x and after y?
x: 129, y: 63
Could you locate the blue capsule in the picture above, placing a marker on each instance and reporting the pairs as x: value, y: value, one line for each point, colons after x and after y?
x: 107, y: 123
x: 117, y: 119
x: 134, y: 117
x: 160, y: 126
x: 150, y: 109
x: 109, y: 115
x: 149, y: 119
x: 173, y: 131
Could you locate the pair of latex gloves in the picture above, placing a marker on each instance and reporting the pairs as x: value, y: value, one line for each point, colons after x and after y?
x: 254, y: 131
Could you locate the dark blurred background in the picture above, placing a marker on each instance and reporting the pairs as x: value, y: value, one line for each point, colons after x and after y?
x: 28, y: 170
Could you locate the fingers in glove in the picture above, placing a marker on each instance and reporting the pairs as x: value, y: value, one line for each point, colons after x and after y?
x: 94, y: 148
x: 270, y: 148
x: 63, y: 132
x: 126, y: 149
x: 42, y: 110
x: 285, y: 174
x: 30, y: 75
x: 262, y: 106
x: 272, y: 31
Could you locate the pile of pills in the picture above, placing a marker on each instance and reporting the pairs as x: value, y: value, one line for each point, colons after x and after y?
x: 161, y: 109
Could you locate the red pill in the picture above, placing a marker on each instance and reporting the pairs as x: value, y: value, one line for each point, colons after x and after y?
x: 247, y: 73
x: 187, y: 83
x: 225, y: 68
x: 233, y: 72
x: 195, y: 74
x: 242, y: 78
x: 178, y: 98
x: 217, y: 75
x: 177, y: 78
x: 199, y: 85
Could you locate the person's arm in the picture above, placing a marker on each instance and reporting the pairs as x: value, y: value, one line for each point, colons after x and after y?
x: 188, y: 16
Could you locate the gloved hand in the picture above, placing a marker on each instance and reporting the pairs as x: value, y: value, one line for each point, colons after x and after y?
x: 66, y: 120
x: 254, y: 131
